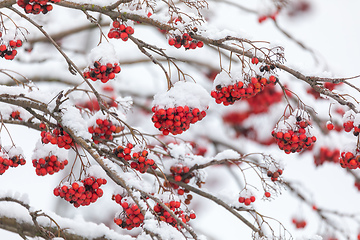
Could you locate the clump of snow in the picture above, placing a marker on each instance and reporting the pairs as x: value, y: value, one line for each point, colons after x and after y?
x: 183, y: 93
x: 13, y: 151
x: 104, y: 53
x: 72, y: 118
x: 165, y: 230
x: 96, y: 171
x: 227, y: 154
x: 43, y: 150
x: 223, y: 79
x: 246, y: 193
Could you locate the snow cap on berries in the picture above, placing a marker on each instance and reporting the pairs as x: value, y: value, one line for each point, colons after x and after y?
x: 183, y: 93
x: 104, y: 53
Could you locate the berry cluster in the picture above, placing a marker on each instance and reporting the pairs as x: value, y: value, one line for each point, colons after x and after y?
x: 274, y: 175
x: 180, y: 191
x: 131, y: 216
x: 139, y: 160
x: 104, y: 130
x: 176, y: 120
x: 15, y: 115
x: 180, y: 173
x: 8, y: 51
x: 93, y: 104
x: 36, y: 6
x: 350, y: 160
x: 299, y: 223
x: 327, y: 155
x: 58, y: 136
x: 294, y: 138
x: 81, y: 193
x: 6, y: 162
x: 120, y: 30
x: 102, y: 72
x: 48, y: 165
x: 185, y: 40
x: 349, y: 126
x: 261, y: 102
x: 175, y: 207
x: 328, y: 85
x: 231, y: 93
x: 247, y: 200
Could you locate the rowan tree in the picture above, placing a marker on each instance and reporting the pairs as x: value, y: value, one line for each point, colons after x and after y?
x: 153, y: 119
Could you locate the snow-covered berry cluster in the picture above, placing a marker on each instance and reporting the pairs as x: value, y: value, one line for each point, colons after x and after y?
x: 350, y: 159
x: 228, y: 90
x: 176, y: 120
x: 293, y: 134
x: 327, y: 155
x: 57, y: 137
x: 246, y: 197
x: 103, y: 130
x: 274, y: 175
x: 299, y: 223
x: 48, y: 165
x: 7, y: 161
x: 186, y: 41
x: 7, y: 50
x: 180, y: 173
x: 131, y: 216
x: 37, y: 6
x: 102, y: 72
x: 138, y: 160
x: 184, y: 104
x: 174, y: 206
x: 81, y: 193
x: 120, y: 31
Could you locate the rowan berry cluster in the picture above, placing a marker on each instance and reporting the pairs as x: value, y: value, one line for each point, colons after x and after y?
x: 8, y: 51
x: 14, y: 161
x: 350, y: 160
x: 174, y: 206
x: 231, y: 93
x: 138, y: 160
x: 176, y: 120
x: 103, y: 130
x: 247, y: 200
x: 81, y: 193
x: 293, y: 137
x: 186, y: 41
x: 180, y: 191
x: 261, y: 102
x: 15, y: 115
x: 48, y: 165
x: 274, y: 175
x: 327, y: 155
x: 36, y: 6
x: 327, y: 85
x: 299, y: 223
x: 102, y: 72
x: 120, y: 31
x: 180, y: 173
x: 93, y: 104
x: 57, y: 137
x: 131, y: 215
x: 349, y: 126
